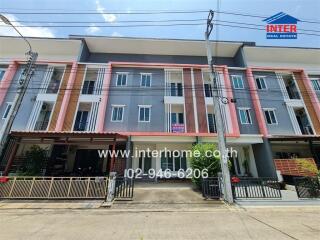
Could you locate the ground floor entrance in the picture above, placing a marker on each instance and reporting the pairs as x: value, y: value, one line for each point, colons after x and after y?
x: 63, y: 154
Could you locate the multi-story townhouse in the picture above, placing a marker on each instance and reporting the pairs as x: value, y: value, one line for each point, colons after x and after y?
x: 155, y: 94
x: 286, y: 83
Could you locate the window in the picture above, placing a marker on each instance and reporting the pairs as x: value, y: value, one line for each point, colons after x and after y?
x: 270, y: 116
x: 316, y: 84
x: 208, y: 89
x: 261, y: 83
x: 81, y: 121
x: 176, y: 89
x: 90, y: 78
x: 237, y: 82
x: 117, y: 113
x: 122, y: 79
x: 144, y: 113
x: 55, y: 80
x: 245, y: 117
x: 7, y: 110
x: 212, y: 123
x: 88, y: 87
x: 145, y: 80
x: 177, y: 118
x: 168, y: 161
x: 2, y: 72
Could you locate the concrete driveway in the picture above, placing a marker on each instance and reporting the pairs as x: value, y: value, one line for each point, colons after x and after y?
x: 168, y: 196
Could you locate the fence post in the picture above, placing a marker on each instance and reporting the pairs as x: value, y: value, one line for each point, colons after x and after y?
x: 14, y: 182
x: 262, y: 187
x: 87, y: 191
x: 33, y: 180
x: 111, y: 187
x: 50, y: 187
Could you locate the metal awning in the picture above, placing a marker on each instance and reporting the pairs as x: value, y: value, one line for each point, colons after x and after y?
x: 63, y: 137
x: 294, y: 138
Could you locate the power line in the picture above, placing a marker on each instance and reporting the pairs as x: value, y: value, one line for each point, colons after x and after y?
x: 143, y: 12
x: 155, y: 25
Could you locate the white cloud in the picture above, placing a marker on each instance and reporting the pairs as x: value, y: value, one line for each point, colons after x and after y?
x: 107, y: 17
x: 92, y: 29
x: 25, y: 31
x: 116, y: 34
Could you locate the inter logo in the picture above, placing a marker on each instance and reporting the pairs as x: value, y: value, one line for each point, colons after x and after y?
x: 281, y: 26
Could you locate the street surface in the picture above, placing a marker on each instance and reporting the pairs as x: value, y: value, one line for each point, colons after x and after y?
x: 216, y: 223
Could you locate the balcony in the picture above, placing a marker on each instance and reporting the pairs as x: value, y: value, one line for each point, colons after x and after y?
x: 303, y: 121
x: 291, y: 88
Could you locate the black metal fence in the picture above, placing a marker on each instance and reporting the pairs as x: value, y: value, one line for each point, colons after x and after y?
x: 256, y: 188
x: 124, y: 188
x: 211, y: 188
x: 307, y: 187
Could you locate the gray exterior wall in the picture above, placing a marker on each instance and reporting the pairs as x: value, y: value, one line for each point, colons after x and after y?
x: 264, y: 161
x: 273, y: 98
x: 106, y: 57
x: 133, y: 95
x: 22, y: 117
x: 243, y: 99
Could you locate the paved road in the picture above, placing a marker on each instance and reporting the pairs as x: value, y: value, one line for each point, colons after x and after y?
x: 228, y: 223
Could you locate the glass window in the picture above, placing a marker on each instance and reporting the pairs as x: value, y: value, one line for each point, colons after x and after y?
x: 55, y: 80
x: 261, y: 83
x: 2, y: 72
x: 245, y: 117
x: 117, y: 114
x: 212, y: 123
x: 81, y: 121
x: 316, y: 84
x: 122, y: 79
x: 144, y: 114
x: 145, y: 80
x: 176, y: 89
x: 237, y: 82
x: 208, y: 89
x: 7, y: 110
x: 270, y: 116
x: 174, y: 163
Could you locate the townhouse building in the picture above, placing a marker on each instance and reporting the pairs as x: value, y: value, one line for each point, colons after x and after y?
x: 93, y: 93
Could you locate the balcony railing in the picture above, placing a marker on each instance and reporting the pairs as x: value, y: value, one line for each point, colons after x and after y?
x: 41, y: 126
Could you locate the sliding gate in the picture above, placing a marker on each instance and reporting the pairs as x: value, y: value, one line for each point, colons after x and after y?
x: 53, y: 187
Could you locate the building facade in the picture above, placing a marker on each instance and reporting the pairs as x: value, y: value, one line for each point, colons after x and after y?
x: 98, y: 93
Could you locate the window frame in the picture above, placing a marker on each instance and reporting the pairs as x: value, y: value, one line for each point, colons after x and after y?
x: 264, y: 80
x: 318, y: 83
x: 112, y: 109
x: 234, y: 77
x: 274, y: 113
x: 145, y: 74
x: 249, y: 114
x: 4, y: 70
x: 144, y: 106
x: 122, y: 73
x: 6, y: 112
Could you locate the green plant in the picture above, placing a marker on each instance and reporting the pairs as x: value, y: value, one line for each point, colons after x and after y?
x: 200, y: 160
x: 35, y: 159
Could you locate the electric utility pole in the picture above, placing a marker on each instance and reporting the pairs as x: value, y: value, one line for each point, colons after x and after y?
x: 23, y: 85
x: 227, y: 191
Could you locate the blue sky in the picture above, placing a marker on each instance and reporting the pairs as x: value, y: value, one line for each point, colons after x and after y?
x: 301, y: 9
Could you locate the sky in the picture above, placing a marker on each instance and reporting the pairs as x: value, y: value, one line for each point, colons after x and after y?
x: 104, y: 13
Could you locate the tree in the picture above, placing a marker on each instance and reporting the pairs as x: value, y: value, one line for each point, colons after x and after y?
x: 35, y: 160
x: 202, y: 158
